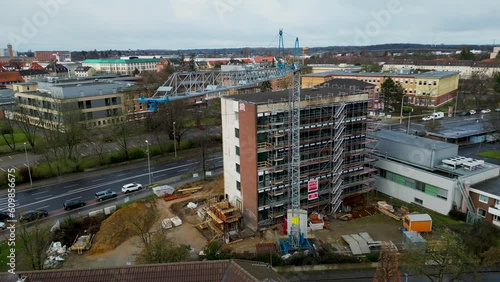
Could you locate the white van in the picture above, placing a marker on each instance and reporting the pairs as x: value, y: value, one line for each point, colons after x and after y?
x: 438, y: 115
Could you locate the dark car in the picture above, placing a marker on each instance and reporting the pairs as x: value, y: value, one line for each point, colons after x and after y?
x: 465, y: 113
x: 73, y: 204
x: 4, y: 216
x: 33, y: 215
x: 104, y: 195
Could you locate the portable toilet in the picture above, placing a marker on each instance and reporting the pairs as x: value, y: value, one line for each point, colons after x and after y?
x: 417, y: 222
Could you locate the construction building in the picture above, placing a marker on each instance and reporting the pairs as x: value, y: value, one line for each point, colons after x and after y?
x: 334, y: 164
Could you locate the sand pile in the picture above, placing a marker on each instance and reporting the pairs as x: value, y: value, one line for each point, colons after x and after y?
x: 118, y: 228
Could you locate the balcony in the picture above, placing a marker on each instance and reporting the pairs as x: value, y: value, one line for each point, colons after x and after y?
x: 495, y: 210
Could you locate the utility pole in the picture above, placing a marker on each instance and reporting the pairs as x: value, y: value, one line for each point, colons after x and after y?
x: 401, y: 114
x: 149, y: 162
x: 28, y: 164
x: 456, y: 103
x: 175, y: 142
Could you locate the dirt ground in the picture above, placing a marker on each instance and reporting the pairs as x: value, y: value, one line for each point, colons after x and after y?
x: 125, y: 253
x: 379, y: 226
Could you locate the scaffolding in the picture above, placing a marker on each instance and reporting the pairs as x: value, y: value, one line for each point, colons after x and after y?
x: 332, y: 138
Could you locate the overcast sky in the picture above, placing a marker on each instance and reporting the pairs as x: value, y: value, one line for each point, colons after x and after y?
x: 190, y: 24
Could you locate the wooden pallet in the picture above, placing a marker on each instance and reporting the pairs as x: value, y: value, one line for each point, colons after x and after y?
x: 386, y: 212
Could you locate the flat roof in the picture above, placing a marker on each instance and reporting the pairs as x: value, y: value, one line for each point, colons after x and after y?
x: 305, y: 93
x: 419, y: 217
x: 465, y: 129
x: 413, y: 140
x: 491, y: 186
x: 430, y: 74
x: 120, y: 61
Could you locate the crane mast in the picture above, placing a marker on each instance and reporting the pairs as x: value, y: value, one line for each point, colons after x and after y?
x: 294, y: 171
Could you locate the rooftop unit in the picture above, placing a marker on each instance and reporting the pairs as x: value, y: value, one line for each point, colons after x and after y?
x: 455, y: 162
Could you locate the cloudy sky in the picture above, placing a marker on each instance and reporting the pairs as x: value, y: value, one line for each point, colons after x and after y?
x: 190, y: 24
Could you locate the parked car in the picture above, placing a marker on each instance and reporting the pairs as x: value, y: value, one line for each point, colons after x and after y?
x: 486, y: 111
x: 497, y: 110
x: 104, y: 195
x: 33, y: 215
x: 472, y: 112
x: 4, y: 216
x: 465, y: 113
x: 73, y: 204
x: 131, y: 187
x: 428, y: 118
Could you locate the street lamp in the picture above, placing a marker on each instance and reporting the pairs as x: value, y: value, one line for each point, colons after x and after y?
x: 149, y: 163
x: 28, y: 162
x: 401, y: 114
x: 175, y: 143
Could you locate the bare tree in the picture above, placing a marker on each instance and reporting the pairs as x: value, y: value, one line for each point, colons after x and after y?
x: 33, y: 244
x: 387, y: 270
x: 29, y: 125
x: 7, y: 131
x: 445, y: 260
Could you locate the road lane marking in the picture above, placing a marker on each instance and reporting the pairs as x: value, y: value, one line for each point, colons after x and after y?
x: 161, y: 175
x: 108, y: 183
x: 100, y: 179
x: 39, y: 193
x: 76, y: 198
x: 72, y: 185
x: 43, y: 197
x: 184, y: 169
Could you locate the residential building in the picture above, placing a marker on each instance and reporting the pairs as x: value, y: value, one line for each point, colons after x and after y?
x: 465, y: 68
x: 203, y: 271
x: 427, y: 172
x: 82, y: 71
x: 9, y: 78
x: 34, y: 75
x: 486, y: 198
x: 431, y: 89
x: 122, y: 66
x: 57, y: 70
x: 45, y: 103
x: 334, y: 164
x: 48, y: 56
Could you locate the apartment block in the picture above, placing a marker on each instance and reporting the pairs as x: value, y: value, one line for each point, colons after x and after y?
x: 464, y: 68
x: 122, y: 66
x: 486, y: 198
x: 99, y: 104
x: 334, y: 164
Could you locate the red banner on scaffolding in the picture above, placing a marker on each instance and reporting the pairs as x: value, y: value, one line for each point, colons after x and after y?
x: 312, y: 196
x: 312, y: 185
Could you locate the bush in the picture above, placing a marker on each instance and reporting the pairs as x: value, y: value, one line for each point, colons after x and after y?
x: 117, y: 158
x: 185, y: 144
x: 137, y: 154
x: 457, y: 215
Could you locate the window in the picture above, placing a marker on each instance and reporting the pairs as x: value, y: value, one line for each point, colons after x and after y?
x: 237, y: 132
x: 238, y: 186
x: 496, y: 217
x: 497, y: 203
x: 483, y: 199
x: 238, y: 168
x: 237, y: 150
x: 418, y: 201
x: 481, y: 212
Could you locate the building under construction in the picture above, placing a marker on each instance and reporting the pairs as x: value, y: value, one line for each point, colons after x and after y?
x: 334, y: 163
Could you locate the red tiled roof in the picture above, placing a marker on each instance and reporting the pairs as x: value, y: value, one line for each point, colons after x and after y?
x: 206, y: 271
x: 36, y: 66
x: 261, y: 59
x: 10, y: 76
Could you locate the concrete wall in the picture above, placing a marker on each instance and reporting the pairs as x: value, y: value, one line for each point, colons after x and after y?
x: 229, y: 108
x: 483, y: 174
x: 408, y: 194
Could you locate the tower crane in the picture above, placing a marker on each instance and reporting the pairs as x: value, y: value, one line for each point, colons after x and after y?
x: 183, y: 85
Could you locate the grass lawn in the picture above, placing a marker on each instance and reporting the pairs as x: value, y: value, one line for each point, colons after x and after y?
x: 495, y: 154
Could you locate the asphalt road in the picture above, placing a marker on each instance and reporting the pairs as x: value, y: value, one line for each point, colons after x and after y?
x: 52, y: 198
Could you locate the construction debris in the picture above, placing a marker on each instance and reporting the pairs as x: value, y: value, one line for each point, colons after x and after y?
x: 386, y: 206
x: 55, y: 255
x: 164, y: 190
x: 176, y: 221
